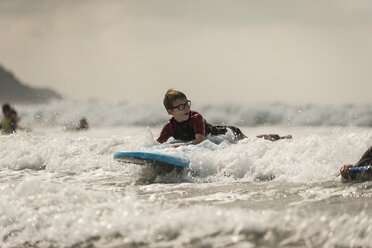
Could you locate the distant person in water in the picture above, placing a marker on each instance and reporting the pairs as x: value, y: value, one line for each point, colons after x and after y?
x: 190, y: 126
x: 9, y: 122
x: 365, y: 160
x: 83, y: 124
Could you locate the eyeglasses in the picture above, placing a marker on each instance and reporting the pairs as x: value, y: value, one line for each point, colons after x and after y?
x: 183, y: 106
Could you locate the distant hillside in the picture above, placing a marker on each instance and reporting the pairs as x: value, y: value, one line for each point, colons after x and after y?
x: 14, y: 91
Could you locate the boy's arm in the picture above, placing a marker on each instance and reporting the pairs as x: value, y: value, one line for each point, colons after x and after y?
x: 165, y: 133
x: 199, y: 129
x: 198, y: 139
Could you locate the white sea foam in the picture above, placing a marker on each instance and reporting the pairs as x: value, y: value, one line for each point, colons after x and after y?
x: 64, y: 189
x: 40, y: 212
x: 306, y: 158
x: 98, y: 113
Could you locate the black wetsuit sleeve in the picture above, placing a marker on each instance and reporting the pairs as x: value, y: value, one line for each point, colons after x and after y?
x: 220, y: 129
x: 13, y: 125
x: 366, y: 159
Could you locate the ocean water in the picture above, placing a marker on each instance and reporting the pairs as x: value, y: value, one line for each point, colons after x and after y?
x: 63, y: 188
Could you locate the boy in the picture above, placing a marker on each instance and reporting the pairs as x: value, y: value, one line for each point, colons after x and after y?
x: 190, y: 126
x: 365, y: 160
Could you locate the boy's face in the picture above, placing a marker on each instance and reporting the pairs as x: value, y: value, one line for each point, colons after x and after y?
x: 180, y: 115
x: 6, y: 112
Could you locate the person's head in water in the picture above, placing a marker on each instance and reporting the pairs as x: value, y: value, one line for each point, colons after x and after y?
x: 83, y: 124
x: 6, y: 109
x: 177, y: 105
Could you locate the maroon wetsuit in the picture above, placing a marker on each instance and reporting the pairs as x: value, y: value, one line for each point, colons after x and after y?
x: 185, y: 130
x: 196, y: 124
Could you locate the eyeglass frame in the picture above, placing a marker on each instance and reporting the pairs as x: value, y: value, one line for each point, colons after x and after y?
x: 182, y: 106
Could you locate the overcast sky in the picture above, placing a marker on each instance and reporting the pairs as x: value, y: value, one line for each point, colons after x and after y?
x: 241, y: 51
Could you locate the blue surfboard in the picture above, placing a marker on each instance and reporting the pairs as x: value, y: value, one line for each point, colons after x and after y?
x: 360, y: 168
x: 151, y: 158
x: 361, y: 173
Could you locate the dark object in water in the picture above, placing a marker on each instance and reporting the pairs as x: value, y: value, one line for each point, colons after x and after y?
x: 151, y: 168
x: 159, y: 168
x: 83, y: 124
x: 154, y: 163
x: 361, y: 173
x: 155, y: 158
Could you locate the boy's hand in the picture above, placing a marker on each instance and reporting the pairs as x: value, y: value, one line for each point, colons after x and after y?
x: 178, y: 145
x: 198, y: 139
x: 345, y: 170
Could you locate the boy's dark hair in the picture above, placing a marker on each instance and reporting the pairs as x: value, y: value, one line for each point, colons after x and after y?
x: 6, y: 107
x: 171, y: 96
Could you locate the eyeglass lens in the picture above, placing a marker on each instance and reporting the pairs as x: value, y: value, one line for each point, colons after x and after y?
x: 183, y: 106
